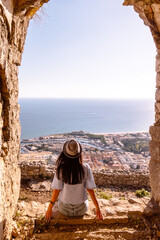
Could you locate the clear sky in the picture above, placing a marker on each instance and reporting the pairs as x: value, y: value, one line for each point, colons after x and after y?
x: 88, y: 49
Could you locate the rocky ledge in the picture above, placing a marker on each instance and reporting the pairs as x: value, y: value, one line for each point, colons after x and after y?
x: 125, y: 216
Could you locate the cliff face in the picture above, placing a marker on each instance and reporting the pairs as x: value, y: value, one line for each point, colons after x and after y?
x: 14, y: 20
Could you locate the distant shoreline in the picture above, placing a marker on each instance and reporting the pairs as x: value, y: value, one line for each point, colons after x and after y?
x: 116, y: 133
x: 79, y: 133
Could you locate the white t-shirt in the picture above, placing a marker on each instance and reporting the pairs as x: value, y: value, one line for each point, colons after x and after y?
x: 75, y: 193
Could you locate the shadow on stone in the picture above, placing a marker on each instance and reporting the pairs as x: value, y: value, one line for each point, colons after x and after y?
x: 2, y: 228
x: 152, y: 218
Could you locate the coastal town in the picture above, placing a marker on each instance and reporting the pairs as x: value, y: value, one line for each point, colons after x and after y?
x: 119, y: 151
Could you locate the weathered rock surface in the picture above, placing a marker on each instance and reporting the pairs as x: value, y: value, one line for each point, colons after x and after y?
x: 40, y: 186
x: 112, y: 207
x: 13, y: 30
x: 12, y: 38
x: 115, y: 211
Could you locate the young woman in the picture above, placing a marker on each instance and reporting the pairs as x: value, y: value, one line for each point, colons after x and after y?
x: 72, y: 180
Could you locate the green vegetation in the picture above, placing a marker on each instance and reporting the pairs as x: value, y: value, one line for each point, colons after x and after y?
x: 41, y: 217
x: 142, y: 193
x: 96, y: 136
x: 22, y: 198
x: 104, y: 195
x: 136, y: 145
x: 77, y: 133
x: 18, y: 213
x: 48, y: 177
x: 122, y: 198
x: 22, y: 222
x: 137, y: 221
x: 41, y: 176
x: 49, y: 159
x: 43, y: 147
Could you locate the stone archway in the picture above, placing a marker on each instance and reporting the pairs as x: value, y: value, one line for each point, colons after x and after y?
x: 14, y: 20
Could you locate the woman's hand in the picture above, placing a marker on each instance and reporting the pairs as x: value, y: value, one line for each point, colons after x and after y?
x: 55, y: 194
x: 99, y: 214
x: 48, y: 214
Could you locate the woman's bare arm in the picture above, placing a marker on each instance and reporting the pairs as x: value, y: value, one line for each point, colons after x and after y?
x: 95, y: 202
x: 55, y: 195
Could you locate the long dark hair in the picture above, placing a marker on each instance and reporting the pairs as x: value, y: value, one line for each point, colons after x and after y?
x: 70, y: 170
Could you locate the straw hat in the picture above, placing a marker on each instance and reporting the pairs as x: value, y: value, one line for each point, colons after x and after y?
x: 72, y: 149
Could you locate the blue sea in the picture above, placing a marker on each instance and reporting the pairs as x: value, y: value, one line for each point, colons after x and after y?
x: 40, y: 117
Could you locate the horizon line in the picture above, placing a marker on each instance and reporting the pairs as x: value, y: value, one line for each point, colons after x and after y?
x: 66, y: 98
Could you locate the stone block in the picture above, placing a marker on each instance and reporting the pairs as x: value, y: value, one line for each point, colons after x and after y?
x: 158, y: 63
x: 154, y: 168
x: 157, y: 107
x: 136, y: 182
x: 156, y: 10
x: 1, y: 123
x: 158, y: 80
x: 17, y: 58
x: 157, y: 96
x: 157, y: 118
x: 155, y: 150
x: 42, y: 169
x: 155, y: 133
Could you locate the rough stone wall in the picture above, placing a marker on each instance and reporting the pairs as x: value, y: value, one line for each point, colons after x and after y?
x: 35, y: 170
x: 136, y: 179
x: 149, y: 11
x: 12, y: 37
x: 133, y: 179
x: 14, y: 20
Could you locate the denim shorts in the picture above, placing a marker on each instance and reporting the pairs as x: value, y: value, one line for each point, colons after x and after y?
x: 71, y: 210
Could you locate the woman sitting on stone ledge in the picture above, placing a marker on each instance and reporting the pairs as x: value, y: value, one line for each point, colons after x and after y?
x: 71, y: 180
